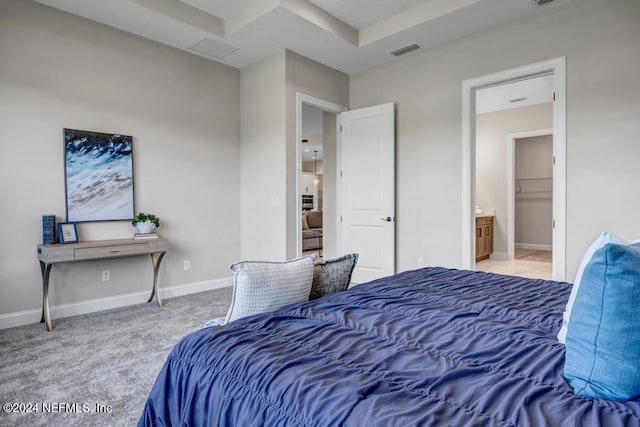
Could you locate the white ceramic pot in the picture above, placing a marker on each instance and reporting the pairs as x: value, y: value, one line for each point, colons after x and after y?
x: 145, y: 227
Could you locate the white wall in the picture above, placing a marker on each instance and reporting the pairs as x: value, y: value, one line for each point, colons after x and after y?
x: 58, y: 70
x: 492, y: 130
x: 599, y: 39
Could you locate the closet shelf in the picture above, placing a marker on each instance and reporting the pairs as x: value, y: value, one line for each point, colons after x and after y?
x: 534, y: 185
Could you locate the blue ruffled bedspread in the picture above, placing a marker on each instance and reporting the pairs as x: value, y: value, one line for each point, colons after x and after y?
x: 429, y: 347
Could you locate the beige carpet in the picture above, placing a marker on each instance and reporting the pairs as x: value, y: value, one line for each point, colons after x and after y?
x: 109, y: 358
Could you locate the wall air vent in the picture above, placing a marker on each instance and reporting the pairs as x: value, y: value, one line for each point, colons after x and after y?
x: 212, y: 48
x: 403, y: 50
x: 541, y: 2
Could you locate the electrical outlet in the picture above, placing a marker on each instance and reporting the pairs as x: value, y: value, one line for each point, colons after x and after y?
x: 106, y: 275
x: 187, y: 265
x: 420, y: 262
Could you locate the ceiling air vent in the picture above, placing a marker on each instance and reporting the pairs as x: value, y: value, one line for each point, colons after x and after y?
x: 541, y: 2
x: 403, y: 50
x: 212, y: 48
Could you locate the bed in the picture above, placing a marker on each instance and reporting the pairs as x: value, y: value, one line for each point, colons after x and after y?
x: 427, y: 347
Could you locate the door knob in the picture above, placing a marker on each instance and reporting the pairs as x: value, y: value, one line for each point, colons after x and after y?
x: 388, y: 219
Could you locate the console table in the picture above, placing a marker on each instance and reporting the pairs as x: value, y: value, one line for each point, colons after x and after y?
x: 98, y: 249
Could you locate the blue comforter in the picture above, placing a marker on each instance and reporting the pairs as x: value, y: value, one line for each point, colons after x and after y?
x: 429, y: 347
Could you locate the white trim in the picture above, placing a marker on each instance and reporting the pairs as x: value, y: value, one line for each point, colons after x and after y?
x: 26, y: 317
x: 323, y: 105
x: 557, y: 67
x: 500, y: 256
x: 534, y: 246
x: 338, y: 202
x: 511, y: 176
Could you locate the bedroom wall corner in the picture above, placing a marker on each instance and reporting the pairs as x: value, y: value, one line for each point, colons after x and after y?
x: 59, y: 70
x: 263, y: 164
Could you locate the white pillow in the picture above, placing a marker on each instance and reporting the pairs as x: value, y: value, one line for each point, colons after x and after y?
x: 602, y: 240
x: 260, y: 287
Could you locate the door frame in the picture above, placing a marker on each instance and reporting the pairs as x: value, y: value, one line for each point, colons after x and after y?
x: 557, y: 67
x: 511, y: 176
x: 321, y: 104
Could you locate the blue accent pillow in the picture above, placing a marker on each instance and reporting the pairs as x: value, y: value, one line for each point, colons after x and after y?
x: 602, y: 357
x: 602, y: 240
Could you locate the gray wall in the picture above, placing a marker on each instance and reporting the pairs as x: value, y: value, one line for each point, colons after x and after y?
x: 534, y: 200
x: 268, y: 154
x: 492, y: 130
x: 330, y: 209
x: 314, y: 79
x: 58, y: 70
x: 599, y: 39
x: 263, y: 195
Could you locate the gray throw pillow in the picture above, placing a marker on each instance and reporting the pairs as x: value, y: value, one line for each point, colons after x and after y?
x: 332, y: 275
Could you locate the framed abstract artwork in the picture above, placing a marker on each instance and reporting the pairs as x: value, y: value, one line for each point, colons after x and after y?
x: 98, y: 176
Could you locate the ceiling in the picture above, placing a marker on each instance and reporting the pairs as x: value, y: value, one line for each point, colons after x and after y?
x: 348, y: 35
x: 523, y: 93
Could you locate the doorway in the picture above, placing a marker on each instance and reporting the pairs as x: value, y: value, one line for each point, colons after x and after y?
x: 311, y: 179
x: 317, y: 122
x: 358, y: 200
x: 530, y: 183
x: 555, y: 68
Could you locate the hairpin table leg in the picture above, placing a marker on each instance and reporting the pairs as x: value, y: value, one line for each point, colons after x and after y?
x: 156, y: 266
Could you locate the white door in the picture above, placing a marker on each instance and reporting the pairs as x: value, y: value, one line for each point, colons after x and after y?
x: 367, y: 190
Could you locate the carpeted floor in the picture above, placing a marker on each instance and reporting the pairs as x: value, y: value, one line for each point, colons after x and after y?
x: 110, y: 359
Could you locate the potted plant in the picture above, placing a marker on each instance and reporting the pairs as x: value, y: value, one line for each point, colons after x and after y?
x: 145, y: 223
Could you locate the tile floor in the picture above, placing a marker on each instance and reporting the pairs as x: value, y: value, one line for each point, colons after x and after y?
x: 527, y: 263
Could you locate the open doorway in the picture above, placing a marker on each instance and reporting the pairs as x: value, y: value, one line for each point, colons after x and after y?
x: 471, y: 88
x: 311, y: 189
x: 514, y: 177
x: 358, y: 201
x: 533, y: 201
x: 317, y: 136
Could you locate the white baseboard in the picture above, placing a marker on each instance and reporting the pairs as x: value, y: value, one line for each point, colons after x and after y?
x: 534, y: 246
x: 500, y: 256
x: 26, y: 317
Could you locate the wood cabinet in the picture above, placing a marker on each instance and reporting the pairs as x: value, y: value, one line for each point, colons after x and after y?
x: 484, y: 237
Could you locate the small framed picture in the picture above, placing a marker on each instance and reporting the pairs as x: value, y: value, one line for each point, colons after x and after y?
x: 67, y: 232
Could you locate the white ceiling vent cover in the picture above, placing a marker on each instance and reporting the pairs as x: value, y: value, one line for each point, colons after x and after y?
x: 212, y: 48
x: 403, y: 50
